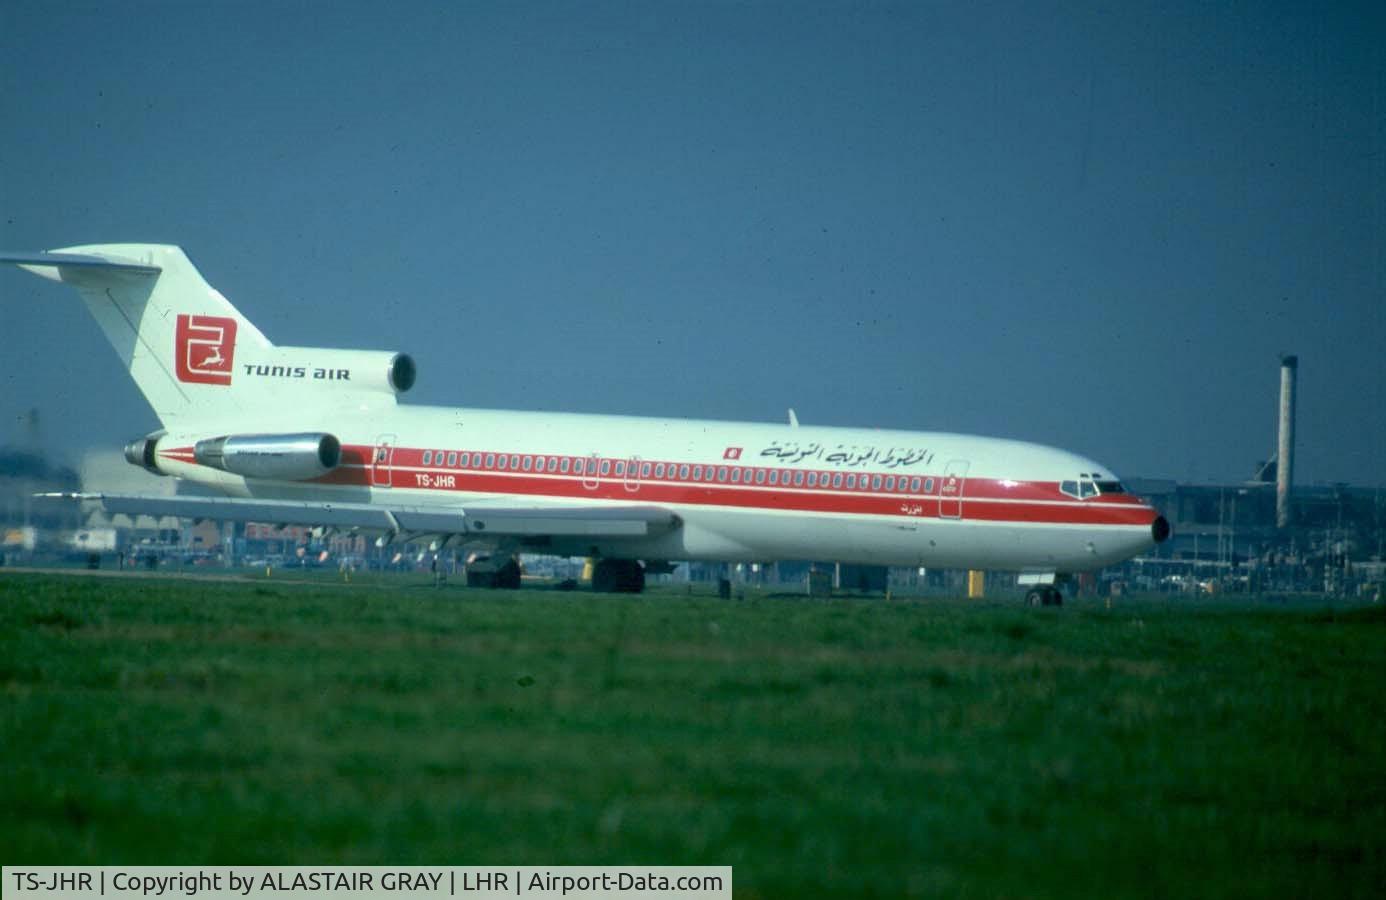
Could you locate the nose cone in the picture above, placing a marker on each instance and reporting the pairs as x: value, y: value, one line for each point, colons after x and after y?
x: 1159, y: 529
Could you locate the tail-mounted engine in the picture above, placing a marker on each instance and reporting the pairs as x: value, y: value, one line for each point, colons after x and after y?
x: 326, y: 372
x: 281, y: 457
x: 278, y: 457
x: 140, y: 452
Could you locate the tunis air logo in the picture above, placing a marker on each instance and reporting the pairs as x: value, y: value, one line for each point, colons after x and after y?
x: 203, y: 349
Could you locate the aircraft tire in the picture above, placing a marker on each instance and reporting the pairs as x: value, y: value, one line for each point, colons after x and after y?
x: 1035, y: 597
x: 508, y: 576
x: 618, y: 576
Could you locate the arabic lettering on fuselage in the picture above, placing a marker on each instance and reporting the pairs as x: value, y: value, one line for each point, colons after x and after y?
x: 854, y: 455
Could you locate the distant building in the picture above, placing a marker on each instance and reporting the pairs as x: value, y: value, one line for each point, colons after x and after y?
x: 1335, y: 540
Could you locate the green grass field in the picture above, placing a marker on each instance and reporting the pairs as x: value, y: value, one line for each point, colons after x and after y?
x: 852, y: 747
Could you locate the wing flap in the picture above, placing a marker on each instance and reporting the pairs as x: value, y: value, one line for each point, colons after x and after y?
x: 589, y: 522
x: 235, y: 509
x: 488, y: 521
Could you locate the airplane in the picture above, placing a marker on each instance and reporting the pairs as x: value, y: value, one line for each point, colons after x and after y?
x: 317, y: 436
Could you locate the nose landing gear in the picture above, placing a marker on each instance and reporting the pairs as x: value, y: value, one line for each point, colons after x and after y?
x: 1044, y: 596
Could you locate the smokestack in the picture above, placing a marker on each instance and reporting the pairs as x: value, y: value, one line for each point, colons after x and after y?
x: 1285, y: 455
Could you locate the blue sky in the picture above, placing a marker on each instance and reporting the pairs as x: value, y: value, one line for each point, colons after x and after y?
x: 1090, y: 227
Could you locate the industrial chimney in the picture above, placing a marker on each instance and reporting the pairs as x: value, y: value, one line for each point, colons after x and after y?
x: 1285, y: 454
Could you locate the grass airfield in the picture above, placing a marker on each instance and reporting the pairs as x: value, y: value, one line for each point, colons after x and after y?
x: 853, y: 747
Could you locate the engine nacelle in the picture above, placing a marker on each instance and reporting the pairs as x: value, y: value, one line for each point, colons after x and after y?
x: 334, y: 371
x: 140, y: 452
x: 282, y: 457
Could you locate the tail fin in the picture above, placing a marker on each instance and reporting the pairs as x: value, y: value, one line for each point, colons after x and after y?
x: 175, y: 334
x: 192, y: 354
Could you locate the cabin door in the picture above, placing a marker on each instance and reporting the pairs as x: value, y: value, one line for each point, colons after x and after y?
x: 382, y: 461
x: 950, y: 489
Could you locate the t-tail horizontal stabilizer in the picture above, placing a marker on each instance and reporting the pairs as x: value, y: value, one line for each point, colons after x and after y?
x: 76, y: 262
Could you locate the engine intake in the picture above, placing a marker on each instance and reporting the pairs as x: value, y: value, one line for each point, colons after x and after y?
x: 281, y: 457
x: 402, y: 372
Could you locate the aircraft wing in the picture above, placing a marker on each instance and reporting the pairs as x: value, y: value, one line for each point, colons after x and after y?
x: 477, y: 521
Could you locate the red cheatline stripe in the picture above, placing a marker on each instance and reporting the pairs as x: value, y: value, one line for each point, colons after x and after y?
x: 985, y: 499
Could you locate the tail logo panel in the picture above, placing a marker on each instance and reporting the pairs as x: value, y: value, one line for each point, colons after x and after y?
x: 204, y: 347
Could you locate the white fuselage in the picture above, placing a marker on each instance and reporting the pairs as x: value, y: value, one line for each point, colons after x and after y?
x: 300, y: 429
x: 743, y: 491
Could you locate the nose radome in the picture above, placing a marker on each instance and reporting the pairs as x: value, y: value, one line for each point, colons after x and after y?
x: 1159, y: 529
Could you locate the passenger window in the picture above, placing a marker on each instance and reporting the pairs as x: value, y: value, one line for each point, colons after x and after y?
x: 890, y: 483
x: 644, y: 470
x: 875, y: 482
x: 514, y: 460
x: 697, y: 473
x: 539, y: 463
x: 528, y: 462
x: 837, y: 479
x: 452, y: 460
x: 760, y: 476
x: 813, y: 479
x: 914, y: 485
x: 606, y: 467
x: 501, y: 461
x: 736, y: 476
x: 798, y: 478
x: 428, y: 457
x: 928, y: 485
x: 722, y: 474
x: 563, y: 465
x: 620, y: 468
x: 465, y: 460
x: 774, y: 476
x: 683, y: 471
x: 490, y: 460
x: 659, y: 470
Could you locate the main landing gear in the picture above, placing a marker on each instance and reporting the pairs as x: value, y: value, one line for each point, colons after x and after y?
x: 494, y: 572
x: 618, y: 576
x: 1045, y: 595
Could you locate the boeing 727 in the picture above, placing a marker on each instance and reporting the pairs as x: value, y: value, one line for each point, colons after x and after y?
x: 308, y: 436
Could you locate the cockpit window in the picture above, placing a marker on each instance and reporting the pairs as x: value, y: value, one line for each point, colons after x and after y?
x: 1086, y: 487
